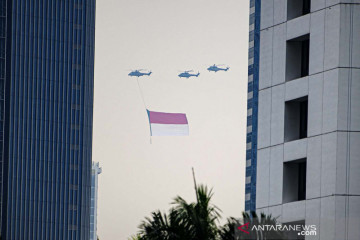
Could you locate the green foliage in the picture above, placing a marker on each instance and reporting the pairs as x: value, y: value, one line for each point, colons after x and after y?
x: 164, y: 227
x: 199, y: 221
x: 135, y: 237
x: 200, y: 218
x: 227, y: 232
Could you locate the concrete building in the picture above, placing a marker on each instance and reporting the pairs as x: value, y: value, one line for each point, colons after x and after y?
x: 303, y: 164
x: 96, y: 170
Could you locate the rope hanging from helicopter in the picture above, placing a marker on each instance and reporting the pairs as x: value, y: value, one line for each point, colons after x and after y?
x: 141, y: 93
x: 137, y: 74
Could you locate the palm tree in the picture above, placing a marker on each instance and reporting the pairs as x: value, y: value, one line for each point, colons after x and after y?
x: 227, y: 232
x: 199, y: 221
x: 164, y: 227
x: 201, y: 218
x: 195, y: 221
x: 135, y: 237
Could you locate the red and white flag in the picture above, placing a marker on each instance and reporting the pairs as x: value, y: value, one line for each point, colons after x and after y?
x: 168, y: 124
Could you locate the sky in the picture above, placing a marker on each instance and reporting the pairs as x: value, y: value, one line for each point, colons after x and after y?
x: 168, y: 36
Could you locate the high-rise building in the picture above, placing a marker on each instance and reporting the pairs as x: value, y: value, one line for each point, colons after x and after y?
x: 96, y: 170
x: 303, y: 163
x: 46, y: 107
x: 252, y: 105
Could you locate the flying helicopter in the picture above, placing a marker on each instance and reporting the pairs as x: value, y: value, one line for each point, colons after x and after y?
x: 216, y: 68
x: 188, y: 74
x: 138, y: 73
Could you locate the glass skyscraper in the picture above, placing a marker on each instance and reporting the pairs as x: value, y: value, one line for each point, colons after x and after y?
x: 46, y: 108
x: 252, y: 105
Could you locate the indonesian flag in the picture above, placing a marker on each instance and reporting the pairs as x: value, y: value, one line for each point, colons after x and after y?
x: 168, y: 124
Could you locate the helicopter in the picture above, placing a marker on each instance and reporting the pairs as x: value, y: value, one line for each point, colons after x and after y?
x: 187, y: 74
x: 215, y: 68
x: 138, y: 73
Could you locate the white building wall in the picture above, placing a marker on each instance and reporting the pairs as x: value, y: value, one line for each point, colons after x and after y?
x: 332, y: 148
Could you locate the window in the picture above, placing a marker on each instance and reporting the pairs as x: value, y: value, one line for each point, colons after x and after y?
x: 72, y: 227
x: 249, y: 121
x: 76, y: 66
x: 297, y: 57
x: 74, y: 147
x: 2, y: 68
x: 77, y: 46
x: 76, y: 87
x: 78, y: 6
x: 250, y: 87
x: 75, y: 126
x: 251, y: 52
x: 74, y: 167
x: 2, y: 27
x: 75, y: 106
x: 248, y: 138
x: 251, y: 36
x: 77, y: 26
x: 252, y: 19
x: 248, y: 154
x: 252, y: 3
x: 249, y: 104
x: 297, y: 8
x: 296, y: 119
x: 294, y: 181
x: 72, y: 207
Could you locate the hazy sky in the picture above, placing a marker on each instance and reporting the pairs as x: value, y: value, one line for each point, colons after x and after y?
x: 166, y: 36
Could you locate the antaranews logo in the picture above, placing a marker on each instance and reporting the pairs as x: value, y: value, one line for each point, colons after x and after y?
x: 241, y: 228
x: 274, y: 231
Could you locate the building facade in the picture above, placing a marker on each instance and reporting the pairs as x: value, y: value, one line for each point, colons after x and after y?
x: 46, y: 107
x: 96, y: 170
x: 308, y: 120
x: 252, y: 105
